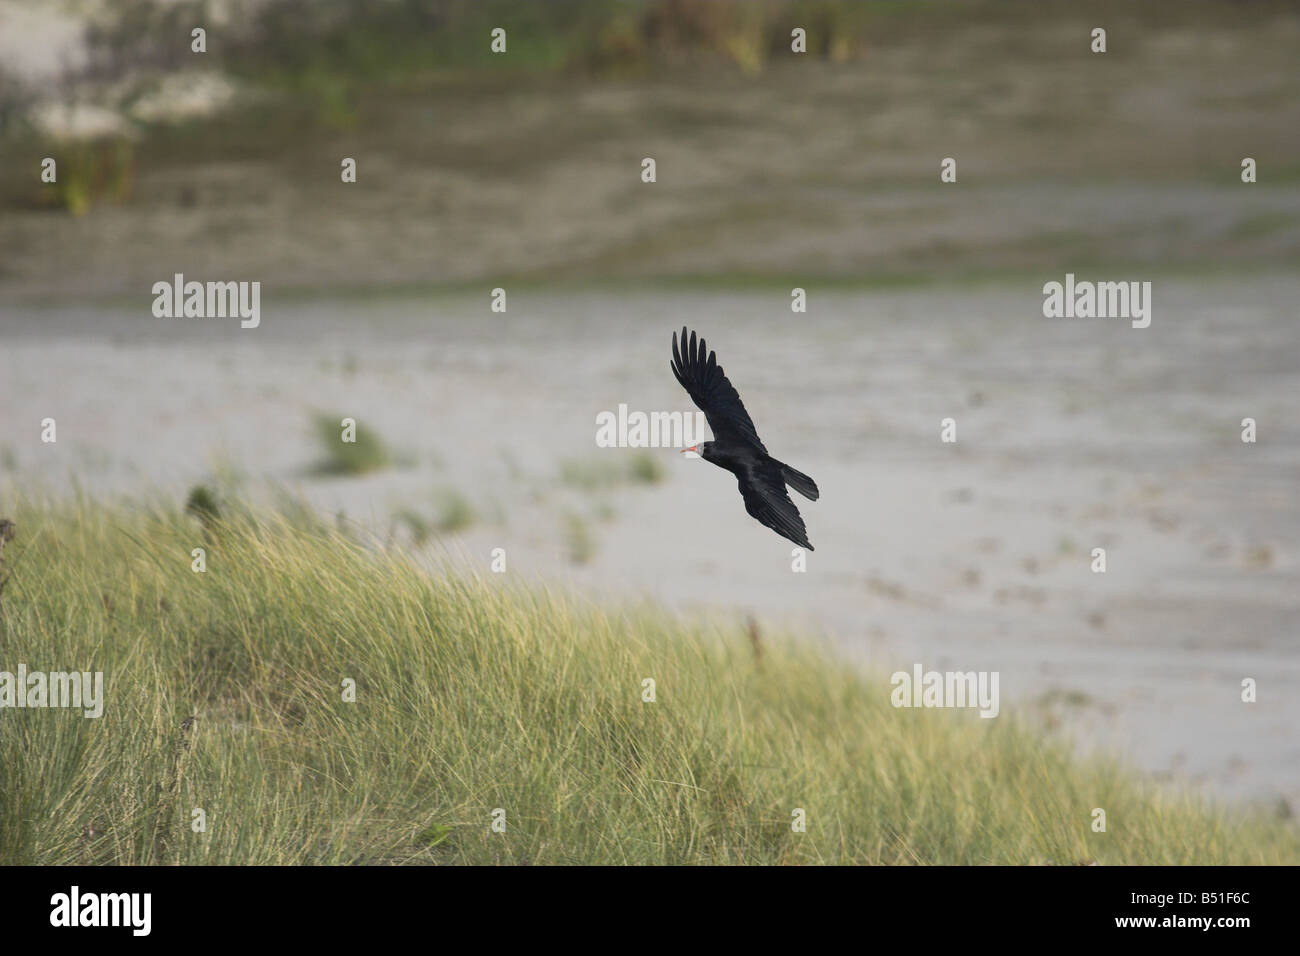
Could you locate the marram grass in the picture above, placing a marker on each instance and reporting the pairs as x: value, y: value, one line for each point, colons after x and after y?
x: 474, y: 694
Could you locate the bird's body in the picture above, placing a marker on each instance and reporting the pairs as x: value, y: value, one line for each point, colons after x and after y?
x: 736, y: 446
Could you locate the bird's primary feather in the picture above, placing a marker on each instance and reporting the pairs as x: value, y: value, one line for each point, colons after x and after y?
x: 698, y: 371
x: 736, y: 445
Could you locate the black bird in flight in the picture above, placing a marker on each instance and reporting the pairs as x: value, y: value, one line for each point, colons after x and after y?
x: 736, y: 445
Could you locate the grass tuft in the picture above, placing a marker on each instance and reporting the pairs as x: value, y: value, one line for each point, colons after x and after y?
x: 455, y: 513
x: 579, y: 542
x: 367, y: 453
x: 606, y: 471
x: 202, y: 504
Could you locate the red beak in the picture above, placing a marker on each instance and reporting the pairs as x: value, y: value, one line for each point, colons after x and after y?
x: 694, y: 448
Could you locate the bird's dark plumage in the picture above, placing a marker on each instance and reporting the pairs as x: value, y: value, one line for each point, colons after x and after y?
x: 712, y: 391
x: 736, y: 445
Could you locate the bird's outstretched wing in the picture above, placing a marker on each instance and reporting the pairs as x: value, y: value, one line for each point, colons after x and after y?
x: 698, y: 371
x: 766, y: 499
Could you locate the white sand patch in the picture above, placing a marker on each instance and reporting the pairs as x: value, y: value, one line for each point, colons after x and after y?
x: 38, y: 41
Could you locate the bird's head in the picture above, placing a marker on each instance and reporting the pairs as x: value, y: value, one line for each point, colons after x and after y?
x: 697, y: 451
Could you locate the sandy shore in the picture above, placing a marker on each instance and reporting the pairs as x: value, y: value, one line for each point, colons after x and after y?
x: 1071, y: 435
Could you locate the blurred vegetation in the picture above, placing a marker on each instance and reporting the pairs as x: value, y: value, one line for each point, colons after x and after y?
x: 101, y: 170
x: 454, y: 511
x: 579, y: 542
x: 324, y: 48
x: 310, y: 64
x: 320, y: 59
x: 842, y: 139
x: 324, y: 53
x: 14, y: 97
x: 314, y: 44
x: 202, y: 504
x: 367, y: 453
x: 600, y: 473
x: 416, y: 524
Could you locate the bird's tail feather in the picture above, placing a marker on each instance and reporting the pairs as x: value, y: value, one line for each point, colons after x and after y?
x: 799, y: 482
